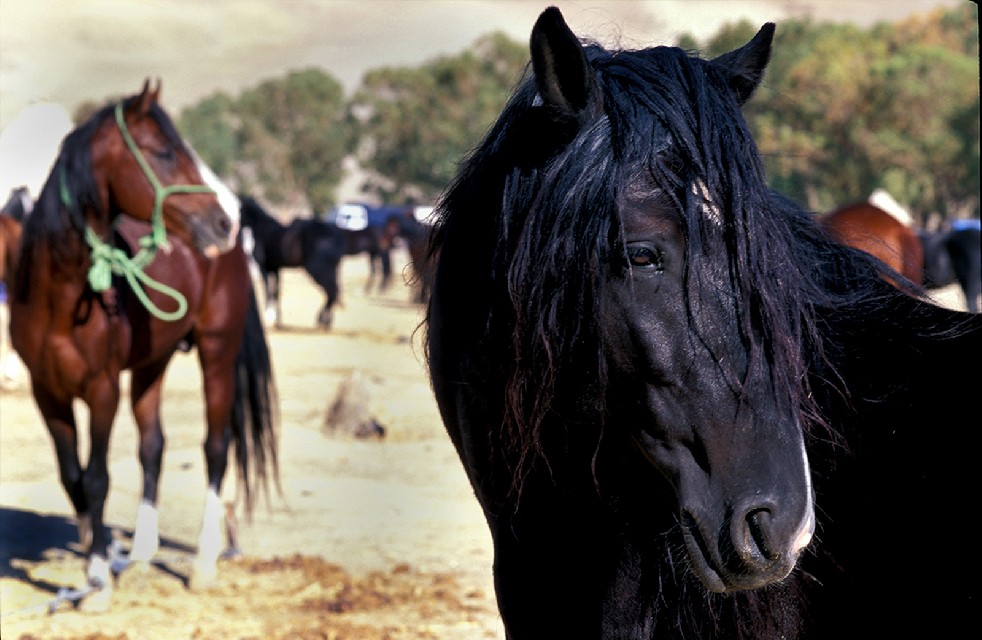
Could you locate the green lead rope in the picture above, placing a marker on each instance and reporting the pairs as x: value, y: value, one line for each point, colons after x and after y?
x: 108, y: 259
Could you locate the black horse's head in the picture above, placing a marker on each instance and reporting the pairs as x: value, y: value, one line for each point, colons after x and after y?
x: 627, y: 291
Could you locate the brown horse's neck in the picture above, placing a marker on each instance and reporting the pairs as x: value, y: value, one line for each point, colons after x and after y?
x: 102, y: 225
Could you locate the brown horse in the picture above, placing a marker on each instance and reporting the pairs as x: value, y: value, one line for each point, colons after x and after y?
x: 10, y: 230
x: 12, y: 215
x: 130, y: 254
x: 867, y: 227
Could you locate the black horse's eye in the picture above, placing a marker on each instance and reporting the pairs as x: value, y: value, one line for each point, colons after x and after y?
x: 642, y: 257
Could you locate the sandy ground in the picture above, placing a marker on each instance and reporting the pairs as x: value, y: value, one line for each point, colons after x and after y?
x: 370, y: 539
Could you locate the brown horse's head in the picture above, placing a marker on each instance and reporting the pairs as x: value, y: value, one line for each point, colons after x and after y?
x: 141, y: 167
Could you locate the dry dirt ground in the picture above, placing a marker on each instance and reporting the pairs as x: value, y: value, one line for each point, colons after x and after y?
x: 371, y: 539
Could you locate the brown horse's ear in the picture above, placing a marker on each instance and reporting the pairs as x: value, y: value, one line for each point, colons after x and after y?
x: 562, y: 74
x: 148, y: 96
x: 745, y: 66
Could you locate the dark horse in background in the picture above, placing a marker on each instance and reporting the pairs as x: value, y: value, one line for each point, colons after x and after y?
x: 387, y: 226
x: 128, y: 254
x: 19, y: 204
x: 416, y: 234
x: 686, y: 410
x: 376, y: 242
x: 372, y: 230
x: 955, y: 255
x: 314, y: 245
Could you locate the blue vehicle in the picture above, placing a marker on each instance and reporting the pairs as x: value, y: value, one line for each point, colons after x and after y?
x: 356, y: 216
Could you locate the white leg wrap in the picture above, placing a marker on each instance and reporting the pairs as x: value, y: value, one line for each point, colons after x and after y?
x: 98, y: 572
x: 270, y: 316
x: 210, y: 540
x: 146, y: 537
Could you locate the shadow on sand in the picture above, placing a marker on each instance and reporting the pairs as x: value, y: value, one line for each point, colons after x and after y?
x: 28, y: 538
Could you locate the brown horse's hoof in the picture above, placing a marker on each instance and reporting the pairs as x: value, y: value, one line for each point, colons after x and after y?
x: 99, y: 601
x: 203, y: 579
x: 136, y: 577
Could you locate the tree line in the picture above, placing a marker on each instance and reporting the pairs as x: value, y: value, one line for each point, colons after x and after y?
x: 842, y: 111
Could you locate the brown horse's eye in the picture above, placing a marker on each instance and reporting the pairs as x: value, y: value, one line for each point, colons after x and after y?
x: 164, y: 154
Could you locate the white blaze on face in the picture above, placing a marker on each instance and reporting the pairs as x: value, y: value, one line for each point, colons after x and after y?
x: 709, y: 208
x: 228, y: 200
x: 807, y: 528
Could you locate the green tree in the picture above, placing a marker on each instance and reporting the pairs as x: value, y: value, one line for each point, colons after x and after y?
x: 417, y: 123
x: 283, y: 139
x: 210, y: 126
x: 845, y: 110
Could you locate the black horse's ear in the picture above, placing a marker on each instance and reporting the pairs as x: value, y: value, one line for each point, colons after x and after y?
x: 745, y: 65
x: 562, y: 74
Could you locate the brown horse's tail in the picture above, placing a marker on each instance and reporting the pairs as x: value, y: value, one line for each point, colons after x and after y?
x: 255, y: 416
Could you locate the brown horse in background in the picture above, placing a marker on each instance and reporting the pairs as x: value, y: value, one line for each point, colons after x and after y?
x: 867, y: 227
x: 12, y: 215
x: 10, y: 231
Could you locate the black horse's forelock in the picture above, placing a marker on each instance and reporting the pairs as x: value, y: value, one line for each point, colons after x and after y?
x: 555, y: 273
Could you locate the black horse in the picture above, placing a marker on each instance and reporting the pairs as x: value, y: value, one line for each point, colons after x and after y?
x: 415, y: 234
x: 305, y: 242
x: 376, y: 242
x: 686, y: 411
x: 955, y: 255
x: 374, y: 231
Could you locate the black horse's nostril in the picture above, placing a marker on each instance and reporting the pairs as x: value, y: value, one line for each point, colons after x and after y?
x: 758, y: 546
x: 752, y: 537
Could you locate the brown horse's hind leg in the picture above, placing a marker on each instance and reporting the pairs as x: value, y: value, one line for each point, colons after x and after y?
x: 217, y: 356
x: 146, y: 388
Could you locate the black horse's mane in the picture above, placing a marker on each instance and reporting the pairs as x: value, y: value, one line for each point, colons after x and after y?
x: 536, y: 203
x: 255, y: 215
x: 58, y: 217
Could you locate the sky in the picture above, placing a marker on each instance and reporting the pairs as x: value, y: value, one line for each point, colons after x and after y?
x: 65, y: 52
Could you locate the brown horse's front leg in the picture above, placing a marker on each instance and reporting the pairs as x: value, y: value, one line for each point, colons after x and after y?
x: 102, y: 398
x: 59, y: 418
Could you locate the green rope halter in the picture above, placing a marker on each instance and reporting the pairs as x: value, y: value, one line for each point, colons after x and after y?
x: 108, y: 260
